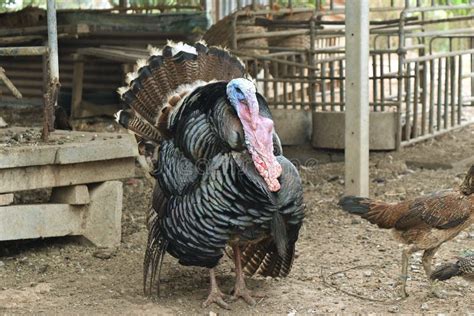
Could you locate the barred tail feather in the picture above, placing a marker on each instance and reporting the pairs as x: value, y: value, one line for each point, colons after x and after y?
x: 154, y: 254
x: 137, y: 125
x: 162, y: 76
x: 264, y: 258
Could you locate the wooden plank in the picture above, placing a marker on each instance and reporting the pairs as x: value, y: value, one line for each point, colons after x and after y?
x: 113, y: 54
x: 39, y: 220
x: 19, y: 39
x: 23, y: 51
x: 49, y: 176
x: 357, y: 105
x: 72, y: 30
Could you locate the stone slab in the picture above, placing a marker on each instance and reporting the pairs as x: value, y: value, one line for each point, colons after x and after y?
x: 39, y: 220
x: 329, y: 129
x: 99, y: 221
x: 73, y: 147
x: 292, y: 126
x: 6, y: 199
x: 74, y: 195
x: 102, y: 225
x: 50, y: 176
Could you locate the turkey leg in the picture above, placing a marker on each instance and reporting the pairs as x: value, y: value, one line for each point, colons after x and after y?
x: 240, y: 289
x: 215, y: 295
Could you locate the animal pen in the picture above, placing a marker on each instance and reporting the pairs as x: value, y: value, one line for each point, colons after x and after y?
x: 417, y: 90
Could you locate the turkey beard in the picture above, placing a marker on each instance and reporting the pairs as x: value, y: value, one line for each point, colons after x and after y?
x: 258, y: 132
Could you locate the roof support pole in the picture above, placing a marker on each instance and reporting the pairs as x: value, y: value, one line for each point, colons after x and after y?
x: 357, y: 96
x: 52, y: 87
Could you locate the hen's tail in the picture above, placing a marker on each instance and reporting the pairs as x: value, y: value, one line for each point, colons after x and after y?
x: 165, y: 78
x: 380, y: 213
x: 446, y: 272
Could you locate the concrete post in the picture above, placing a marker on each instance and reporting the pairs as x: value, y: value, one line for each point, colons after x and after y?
x: 357, y: 96
x: 104, y: 214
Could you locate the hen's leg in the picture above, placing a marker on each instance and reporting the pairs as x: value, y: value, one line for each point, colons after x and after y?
x: 215, y: 295
x: 240, y: 290
x: 404, y: 276
x: 427, y: 261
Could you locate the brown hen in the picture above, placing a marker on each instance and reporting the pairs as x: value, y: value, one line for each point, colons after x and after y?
x: 423, y: 223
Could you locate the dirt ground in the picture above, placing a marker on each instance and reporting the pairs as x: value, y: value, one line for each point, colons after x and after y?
x: 343, y: 264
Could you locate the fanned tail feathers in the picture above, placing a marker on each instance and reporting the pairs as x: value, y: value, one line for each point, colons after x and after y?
x: 264, y: 258
x: 174, y: 70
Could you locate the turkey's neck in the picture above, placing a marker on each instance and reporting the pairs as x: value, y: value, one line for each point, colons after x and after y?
x: 258, y: 132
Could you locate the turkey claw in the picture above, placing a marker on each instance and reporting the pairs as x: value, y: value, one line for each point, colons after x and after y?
x: 217, y: 298
x: 245, y: 294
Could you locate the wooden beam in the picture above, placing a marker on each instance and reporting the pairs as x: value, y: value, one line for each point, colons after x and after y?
x: 23, y: 51
x: 9, y: 84
x: 77, y: 85
x: 357, y: 104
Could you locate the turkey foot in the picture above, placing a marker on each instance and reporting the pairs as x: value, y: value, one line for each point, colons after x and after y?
x: 215, y: 295
x: 240, y: 289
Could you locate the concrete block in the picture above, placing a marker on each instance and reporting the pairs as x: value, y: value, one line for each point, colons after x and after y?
x: 126, y: 146
x: 292, y: 126
x: 49, y: 176
x: 39, y: 220
x: 6, y: 199
x: 99, y: 221
x: 105, y: 146
x: 329, y: 129
x: 103, y: 216
x: 74, y: 195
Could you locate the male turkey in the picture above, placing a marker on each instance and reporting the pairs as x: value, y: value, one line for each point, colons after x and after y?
x: 221, y: 176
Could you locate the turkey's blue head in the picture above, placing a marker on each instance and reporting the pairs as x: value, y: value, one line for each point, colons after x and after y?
x: 258, y: 130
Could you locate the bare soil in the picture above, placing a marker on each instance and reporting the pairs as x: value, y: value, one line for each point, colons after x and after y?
x: 343, y: 263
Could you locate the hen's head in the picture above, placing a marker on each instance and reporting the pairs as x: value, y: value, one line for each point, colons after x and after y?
x: 258, y: 130
x: 467, y: 187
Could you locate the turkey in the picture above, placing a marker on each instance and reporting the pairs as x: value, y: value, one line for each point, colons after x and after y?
x: 221, y: 177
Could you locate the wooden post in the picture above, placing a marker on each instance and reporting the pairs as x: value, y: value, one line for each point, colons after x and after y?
x: 77, y: 85
x: 357, y: 104
x: 51, y: 95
